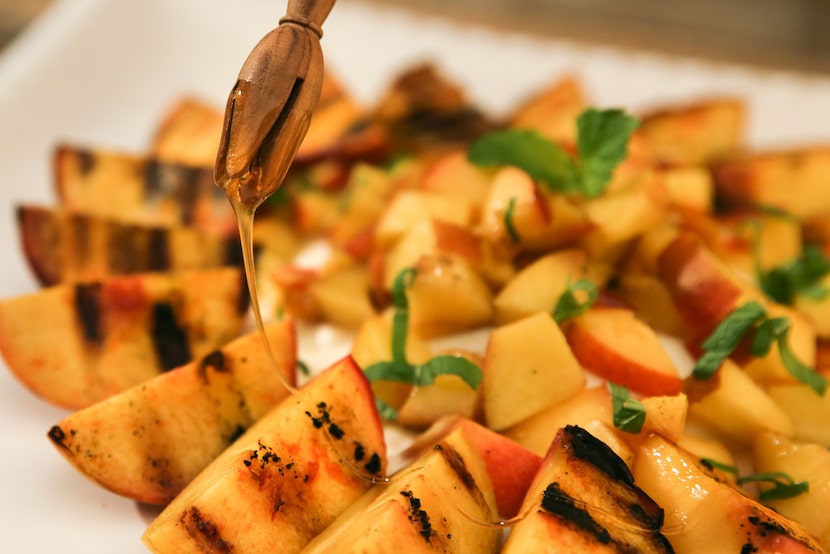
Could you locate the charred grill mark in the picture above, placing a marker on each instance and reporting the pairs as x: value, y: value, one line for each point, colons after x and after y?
x: 215, y: 360
x: 88, y: 311
x: 650, y: 520
x: 373, y: 466
x: 237, y: 432
x: 359, y: 452
x: 324, y: 419
x: 165, y: 476
x: 418, y: 516
x: 464, y: 124
x: 80, y: 233
x: 456, y: 462
x: 169, y: 339
x: 595, y: 452
x: 767, y: 526
x: 170, y: 180
x: 124, y: 249
x: 85, y: 159
x: 558, y: 502
x: 585, y: 453
x: 158, y: 249
x: 187, y: 192
x: 204, y: 532
x: 57, y: 436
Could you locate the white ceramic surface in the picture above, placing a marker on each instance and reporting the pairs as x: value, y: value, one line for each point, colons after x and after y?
x: 100, y: 73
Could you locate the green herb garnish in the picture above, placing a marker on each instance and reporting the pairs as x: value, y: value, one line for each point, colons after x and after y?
x: 709, y: 462
x: 512, y: 232
x: 568, y: 306
x: 726, y: 337
x: 399, y: 369
x: 801, y: 276
x: 539, y: 157
x: 783, y: 486
x: 303, y: 368
x: 629, y: 413
x: 766, y: 331
x: 602, y: 141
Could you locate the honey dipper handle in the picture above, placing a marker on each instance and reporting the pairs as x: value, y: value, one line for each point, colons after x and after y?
x: 309, y: 13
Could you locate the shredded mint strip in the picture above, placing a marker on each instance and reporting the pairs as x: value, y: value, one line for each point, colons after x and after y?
x: 766, y: 331
x: 568, y: 306
x: 783, y: 486
x: 720, y: 465
x: 399, y: 369
x: 448, y: 365
x: 629, y: 413
x: 602, y: 143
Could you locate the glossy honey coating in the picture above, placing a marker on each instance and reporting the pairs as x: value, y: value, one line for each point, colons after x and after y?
x: 269, y: 108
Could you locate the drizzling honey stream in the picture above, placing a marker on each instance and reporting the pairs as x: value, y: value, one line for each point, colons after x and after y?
x: 267, y: 115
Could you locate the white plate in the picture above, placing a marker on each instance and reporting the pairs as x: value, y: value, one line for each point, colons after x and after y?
x: 101, y: 72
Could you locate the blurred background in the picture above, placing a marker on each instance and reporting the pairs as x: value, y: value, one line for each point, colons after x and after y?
x: 774, y: 34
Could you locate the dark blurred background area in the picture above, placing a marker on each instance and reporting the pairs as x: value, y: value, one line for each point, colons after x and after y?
x: 774, y: 34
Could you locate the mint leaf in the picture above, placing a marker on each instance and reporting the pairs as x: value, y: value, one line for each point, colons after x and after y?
x: 400, y: 318
x: 799, y: 370
x: 425, y: 374
x: 568, y: 305
x: 386, y: 411
x: 539, y: 157
x: 629, y: 413
x: 401, y: 283
x: 602, y: 141
x: 726, y: 337
x: 390, y: 371
x: 784, y: 486
x: 768, y: 332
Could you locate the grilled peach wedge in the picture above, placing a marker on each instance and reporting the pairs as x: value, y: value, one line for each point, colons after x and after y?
x: 584, y: 499
x: 151, y: 440
x: 705, y: 514
x: 62, y: 245
x: 139, y: 189
x: 76, y: 344
x: 287, y: 478
x: 442, y: 503
x: 510, y: 465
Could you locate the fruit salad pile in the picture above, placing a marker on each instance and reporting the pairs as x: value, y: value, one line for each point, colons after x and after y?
x: 599, y: 330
